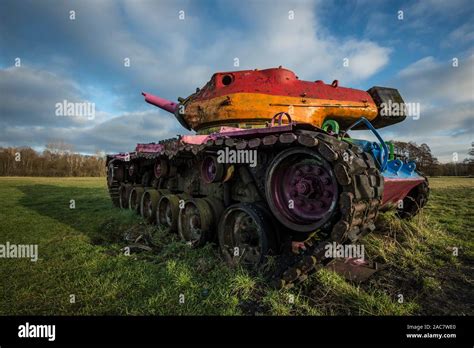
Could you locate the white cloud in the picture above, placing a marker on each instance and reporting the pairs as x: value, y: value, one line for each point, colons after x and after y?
x: 464, y: 34
x: 446, y: 95
x: 175, y: 57
x: 118, y: 134
x: 367, y: 58
x: 421, y: 65
x: 182, y: 54
x: 27, y: 116
x: 29, y: 97
x: 429, y: 81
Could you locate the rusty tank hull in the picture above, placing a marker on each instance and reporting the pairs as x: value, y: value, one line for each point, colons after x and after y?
x: 271, y: 170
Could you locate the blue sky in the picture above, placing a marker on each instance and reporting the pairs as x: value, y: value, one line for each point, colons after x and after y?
x: 82, y: 60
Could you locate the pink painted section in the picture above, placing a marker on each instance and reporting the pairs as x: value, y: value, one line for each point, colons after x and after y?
x: 397, y: 189
x: 149, y: 148
x: 202, y: 139
x: 229, y: 129
x: 124, y: 156
x: 196, y: 139
x: 160, y: 102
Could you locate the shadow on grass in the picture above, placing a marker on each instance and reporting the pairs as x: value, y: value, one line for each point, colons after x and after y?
x: 87, y: 210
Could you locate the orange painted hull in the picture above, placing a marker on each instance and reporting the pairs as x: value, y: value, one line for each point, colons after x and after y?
x: 256, y: 109
x: 251, y: 98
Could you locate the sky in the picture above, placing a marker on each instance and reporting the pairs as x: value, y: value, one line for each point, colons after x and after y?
x: 48, y: 55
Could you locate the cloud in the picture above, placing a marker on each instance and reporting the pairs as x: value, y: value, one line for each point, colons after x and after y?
x: 179, y: 55
x: 419, y: 66
x: 301, y: 44
x: 122, y: 133
x: 446, y: 97
x: 118, y: 134
x: 426, y: 15
x: 168, y: 56
x: 27, y: 116
x: 82, y: 60
x: 427, y: 9
x: 29, y: 97
x: 463, y: 34
x: 433, y: 82
x: 366, y: 59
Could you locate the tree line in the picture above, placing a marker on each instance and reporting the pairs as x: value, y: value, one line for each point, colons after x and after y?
x: 429, y: 164
x: 59, y: 159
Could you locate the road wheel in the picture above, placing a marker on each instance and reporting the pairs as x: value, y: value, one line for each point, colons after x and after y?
x: 246, y: 235
x: 148, y: 204
x: 301, y: 189
x: 135, y: 198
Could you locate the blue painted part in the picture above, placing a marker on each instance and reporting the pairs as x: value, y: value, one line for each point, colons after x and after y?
x: 396, y: 169
x: 380, y: 156
x: 395, y: 166
x: 371, y: 147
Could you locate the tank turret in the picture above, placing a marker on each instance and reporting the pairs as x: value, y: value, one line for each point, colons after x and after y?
x: 249, y: 98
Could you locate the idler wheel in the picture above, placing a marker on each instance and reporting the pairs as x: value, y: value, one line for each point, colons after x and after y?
x: 246, y: 234
x: 212, y: 170
x: 167, y: 212
x: 124, y: 194
x: 198, y: 220
x: 301, y: 189
x: 110, y: 174
x: 115, y: 172
x: 135, y: 198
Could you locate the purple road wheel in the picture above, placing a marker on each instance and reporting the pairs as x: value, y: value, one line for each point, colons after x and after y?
x: 211, y: 170
x: 246, y: 235
x: 301, y: 189
x: 161, y: 169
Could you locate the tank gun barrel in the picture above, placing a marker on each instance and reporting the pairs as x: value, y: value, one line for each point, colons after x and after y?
x: 160, y: 102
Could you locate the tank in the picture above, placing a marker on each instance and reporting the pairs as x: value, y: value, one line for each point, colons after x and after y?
x: 270, y: 170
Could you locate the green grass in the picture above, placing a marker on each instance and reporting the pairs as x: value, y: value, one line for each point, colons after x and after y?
x: 80, y: 254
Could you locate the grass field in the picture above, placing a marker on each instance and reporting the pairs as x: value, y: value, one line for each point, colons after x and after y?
x: 80, y: 255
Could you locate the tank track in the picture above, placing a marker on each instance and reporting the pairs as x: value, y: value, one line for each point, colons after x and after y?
x: 361, y: 196
x: 359, y: 180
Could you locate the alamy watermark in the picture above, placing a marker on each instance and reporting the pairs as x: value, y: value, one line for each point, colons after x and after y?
x: 37, y: 331
x: 83, y: 109
x: 231, y: 156
x: 350, y: 251
x: 13, y: 251
x: 393, y: 109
